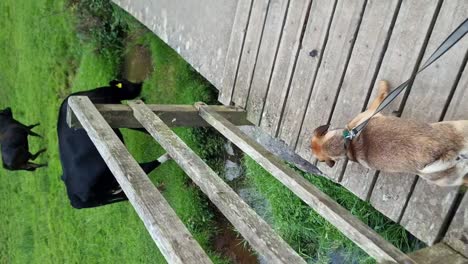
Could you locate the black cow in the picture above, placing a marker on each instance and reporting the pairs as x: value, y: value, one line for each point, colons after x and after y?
x: 14, y: 142
x: 88, y: 180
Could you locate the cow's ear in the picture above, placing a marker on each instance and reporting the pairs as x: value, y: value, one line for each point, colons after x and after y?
x: 115, y: 84
x: 321, y: 130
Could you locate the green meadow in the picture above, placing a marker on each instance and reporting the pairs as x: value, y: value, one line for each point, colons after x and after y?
x: 43, y: 60
x: 52, y: 48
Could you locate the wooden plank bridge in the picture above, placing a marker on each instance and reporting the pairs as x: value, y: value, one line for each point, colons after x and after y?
x: 296, y: 64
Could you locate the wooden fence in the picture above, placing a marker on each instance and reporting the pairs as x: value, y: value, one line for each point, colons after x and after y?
x: 170, y: 235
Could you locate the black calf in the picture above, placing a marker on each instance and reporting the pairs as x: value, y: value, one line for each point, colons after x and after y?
x: 88, y: 180
x: 14, y: 141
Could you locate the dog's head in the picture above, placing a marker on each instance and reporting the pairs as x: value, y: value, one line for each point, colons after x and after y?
x: 327, y: 146
x: 6, y: 113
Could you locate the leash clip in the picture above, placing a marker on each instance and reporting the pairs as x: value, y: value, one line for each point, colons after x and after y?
x: 349, y: 134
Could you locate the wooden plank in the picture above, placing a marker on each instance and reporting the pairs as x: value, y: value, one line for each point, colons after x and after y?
x: 167, y: 230
x: 350, y: 226
x: 312, y: 107
x: 326, y: 87
x: 266, y: 58
x: 234, y: 52
x: 390, y: 193
x: 250, y: 52
x: 427, y: 209
x: 439, y: 253
x: 309, y: 58
x: 458, y: 108
x: 432, y: 86
x: 121, y: 116
x: 457, y: 233
x: 255, y: 230
x: 400, y: 58
x: 366, y: 57
x: 296, y: 17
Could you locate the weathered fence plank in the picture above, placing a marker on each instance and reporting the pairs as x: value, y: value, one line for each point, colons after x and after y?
x: 284, y: 65
x: 255, y: 230
x: 399, y: 60
x: 266, y: 58
x: 234, y: 52
x: 311, y: 53
x: 359, y: 78
x: 458, y: 229
x: 429, y: 205
x: 354, y: 229
x: 171, y: 236
x: 121, y: 116
x: 250, y: 52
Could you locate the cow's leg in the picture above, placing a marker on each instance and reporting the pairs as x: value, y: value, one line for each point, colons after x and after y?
x: 34, y: 134
x: 150, y: 166
x: 34, y: 156
x: 32, y: 126
x: 77, y: 203
x: 32, y: 166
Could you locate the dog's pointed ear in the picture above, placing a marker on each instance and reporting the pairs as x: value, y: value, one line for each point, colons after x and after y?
x: 321, y: 130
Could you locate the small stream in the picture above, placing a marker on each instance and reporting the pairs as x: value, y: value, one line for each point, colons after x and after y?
x: 234, y: 175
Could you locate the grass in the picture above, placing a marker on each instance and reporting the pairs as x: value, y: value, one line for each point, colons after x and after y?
x: 45, y: 59
x: 312, y: 236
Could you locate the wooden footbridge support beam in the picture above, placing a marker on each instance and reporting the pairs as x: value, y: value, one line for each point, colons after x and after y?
x: 121, y: 116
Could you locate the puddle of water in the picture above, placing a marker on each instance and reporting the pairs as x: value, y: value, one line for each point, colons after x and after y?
x: 231, y: 245
x: 137, y: 63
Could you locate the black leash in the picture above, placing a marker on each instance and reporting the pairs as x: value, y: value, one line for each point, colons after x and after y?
x: 448, y: 43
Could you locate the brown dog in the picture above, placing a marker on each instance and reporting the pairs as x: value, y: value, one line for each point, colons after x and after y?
x: 438, y: 152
